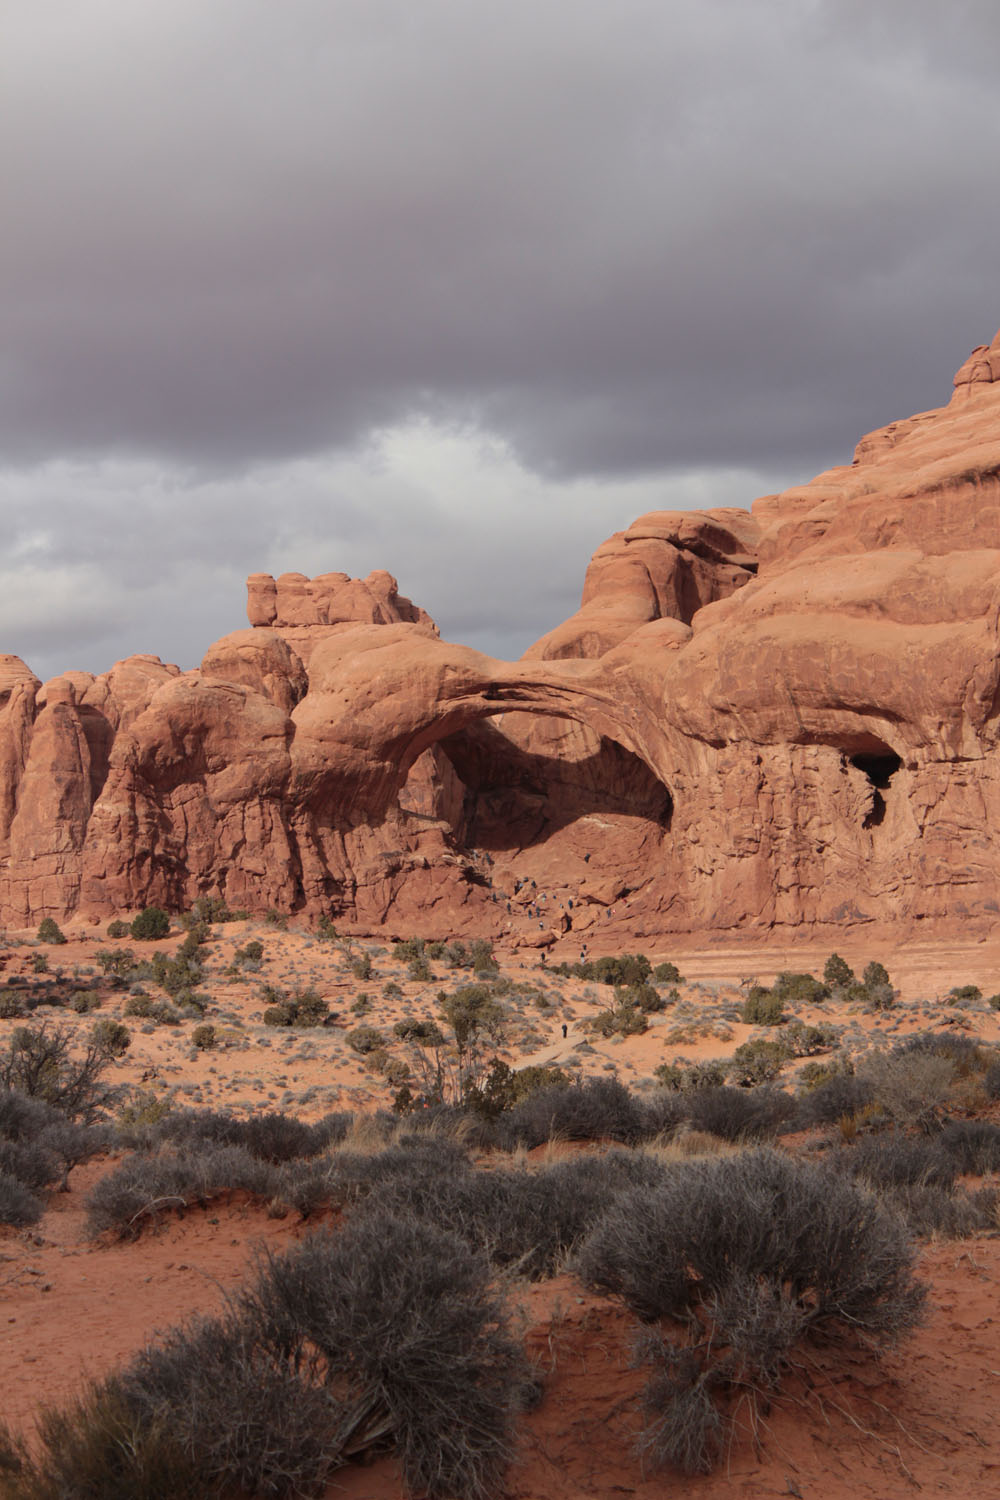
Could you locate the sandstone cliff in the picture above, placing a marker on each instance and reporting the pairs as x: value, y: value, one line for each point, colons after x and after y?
x: 777, y: 718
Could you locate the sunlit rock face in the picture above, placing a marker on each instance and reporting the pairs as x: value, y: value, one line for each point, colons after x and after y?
x: 782, y: 718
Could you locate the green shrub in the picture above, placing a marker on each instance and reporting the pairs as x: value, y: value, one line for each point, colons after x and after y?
x: 49, y: 931
x: 419, y: 969
x: 178, y: 974
x: 203, y: 1037
x: 250, y: 953
x: 112, y: 1037
x: 757, y: 1062
x: 365, y: 1039
x: 151, y: 924
x: 84, y: 1001
x: 639, y: 996
x: 667, y: 974
x: 39, y: 963
x: 621, y: 1020
x: 118, y: 929
x: 680, y: 1076
x: 763, y: 1007
x: 963, y: 994
x: 405, y: 949
x: 361, y: 967
x: 799, y: 989
x: 627, y: 968
x: 118, y: 965
x: 303, y: 1009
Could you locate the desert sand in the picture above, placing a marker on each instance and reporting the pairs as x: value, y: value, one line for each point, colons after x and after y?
x: 71, y: 1306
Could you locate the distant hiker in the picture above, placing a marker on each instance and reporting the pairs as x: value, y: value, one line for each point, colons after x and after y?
x: 565, y: 1031
x: 586, y: 859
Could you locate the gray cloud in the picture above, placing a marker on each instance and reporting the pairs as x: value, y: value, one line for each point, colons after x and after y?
x: 632, y: 242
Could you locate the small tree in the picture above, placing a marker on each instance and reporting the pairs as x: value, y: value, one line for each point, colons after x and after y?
x: 39, y: 1062
x: 837, y: 972
x: 150, y: 924
x: 50, y: 932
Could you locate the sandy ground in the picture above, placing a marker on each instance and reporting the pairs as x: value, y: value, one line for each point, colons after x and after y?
x: 71, y: 1307
x: 311, y: 1072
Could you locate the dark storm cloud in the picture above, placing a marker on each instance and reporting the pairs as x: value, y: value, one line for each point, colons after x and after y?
x: 625, y: 236
x: 456, y: 288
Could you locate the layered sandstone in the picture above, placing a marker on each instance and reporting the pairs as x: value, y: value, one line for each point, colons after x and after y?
x: 777, y: 718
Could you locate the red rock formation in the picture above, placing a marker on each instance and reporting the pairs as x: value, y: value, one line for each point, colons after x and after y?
x: 784, y: 718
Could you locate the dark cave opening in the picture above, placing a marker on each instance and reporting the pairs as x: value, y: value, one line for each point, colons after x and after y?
x: 880, y: 768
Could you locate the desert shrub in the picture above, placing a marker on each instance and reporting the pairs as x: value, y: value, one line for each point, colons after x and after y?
x: 667, y: 974
x: 177, y: 975
x: 805, y: 1041
x: 991, y: 1081
x: 19, y: 1206
x: 365, y: 1039
x: 625, y: 969
x: 972, y: 1145
x: 964, y: 1052
x: 112, y: 1037
x: 799, y: 989
x: 209, y: 910
x: 758, y: 1061
x: 623, y: 1019
x: 526, y: 1220
x: 405, y: 949
x: 738, y: 1260
x: 144, y: 1186
x: 84, y: 1001
x: 599, y: 1109
x: 204, y: 1037
x: 953, y: 1214
x: 528, y: 1080
x: 151, y: 924
x: 640, y: 996
x: 12, y: 1006
x: 893, y: 1160
x: 270, y: 1136
x: 683, y: 1075
x: 30, y: 1163
x: 736, y: 1114
x: 50, y: 932
x: 412, y: 1337
x: 303, y: 1009
x: 23, y: 1116
x: 963, y: 994
x: 831, y: 1098
x: 251, y: 952
x: 837, y: 973
x: 419, y: 969
x: 117, y: 963
x: 361, y: 967
x: 204, y: 1412
x: 762, y: 1007
x: 117, y: 929
x: 910, y: 1085
x: 39, y: 963
x: 143, y: 1007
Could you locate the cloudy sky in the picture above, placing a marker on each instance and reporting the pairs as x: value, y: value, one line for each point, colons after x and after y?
x: 456, y: 287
